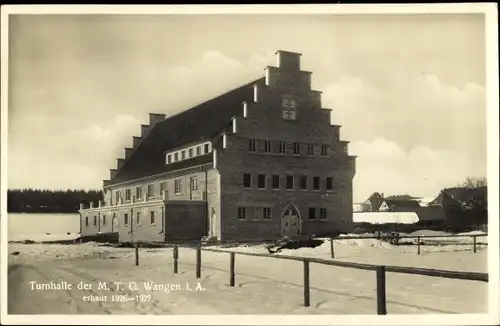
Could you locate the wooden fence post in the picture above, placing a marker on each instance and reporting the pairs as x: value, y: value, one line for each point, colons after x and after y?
x: 474, y: 244
x: 331, y: 248
x: 176, y: 256
x: 381, y: 304
x: 231, y: 269
x: 198, y: 262
x: 306, y: 283
x: 136, y: 254
x: 418, y: 245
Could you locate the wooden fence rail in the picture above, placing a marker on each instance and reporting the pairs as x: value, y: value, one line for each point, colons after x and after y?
x: 380, y: 270
x: 418, y: 237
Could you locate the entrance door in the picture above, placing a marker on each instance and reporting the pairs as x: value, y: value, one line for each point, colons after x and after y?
x: 114, y: 224
x: 290, y: 222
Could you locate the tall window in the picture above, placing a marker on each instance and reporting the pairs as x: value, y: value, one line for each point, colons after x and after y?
x: 151, y: 190
x: 296, y: 148
x: 138, y: 218
x: 267, y: 146
x: 316, y: 183
x: 125, y: 219
x: 251, y: 145
x: 152, y: 217
x: 312, y: 213
x: 194, y: 183
x: 289, y: 182
x: 86, y: 221
x: 261, y: 181
x: 324, y: 149
x: 310, y: 149
x: 329, y: 183
x: 198, y: 150
x: 104, y: 222
x: 190, y: 152
x: 322, y: 214
x: 247, y: 180
x: 303, y: 182
x: 282, y: 147
x: 95, y: 220
x: 138, y: 192
x: 266, y: 213
x: 276, y: 181
x: 127, y: 194
x: 163, y: 187
x: 206, y: 148
x: 242, y: 213
x: 178, y: 186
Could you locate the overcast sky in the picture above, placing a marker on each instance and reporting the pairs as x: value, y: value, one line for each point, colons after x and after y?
x: 409, y: 90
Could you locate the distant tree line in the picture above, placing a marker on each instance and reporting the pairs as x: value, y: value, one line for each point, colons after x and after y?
x: 49, y: 201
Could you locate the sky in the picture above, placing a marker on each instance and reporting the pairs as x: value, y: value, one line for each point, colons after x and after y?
x: 408, y: 90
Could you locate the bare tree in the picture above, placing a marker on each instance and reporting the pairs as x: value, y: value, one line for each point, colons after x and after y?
x: 473, y: 182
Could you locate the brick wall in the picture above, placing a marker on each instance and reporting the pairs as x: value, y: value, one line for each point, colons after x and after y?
x: 264, y: 122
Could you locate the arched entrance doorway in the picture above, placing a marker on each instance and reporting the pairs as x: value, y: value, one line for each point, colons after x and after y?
x: 114, y: 224
x: 290, y: 221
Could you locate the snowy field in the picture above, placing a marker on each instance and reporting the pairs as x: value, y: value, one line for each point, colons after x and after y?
x: 263, y: 285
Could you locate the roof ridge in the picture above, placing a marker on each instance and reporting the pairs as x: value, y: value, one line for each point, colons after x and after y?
x: 213, y: 98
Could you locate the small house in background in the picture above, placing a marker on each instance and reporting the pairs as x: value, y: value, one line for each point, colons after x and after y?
x: 373, y: 203
x: 399, y: 205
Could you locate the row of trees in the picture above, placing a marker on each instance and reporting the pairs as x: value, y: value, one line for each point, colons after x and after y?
x: 49, y: 201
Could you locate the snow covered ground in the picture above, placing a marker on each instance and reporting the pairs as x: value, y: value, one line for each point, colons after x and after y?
x: 263, y: 285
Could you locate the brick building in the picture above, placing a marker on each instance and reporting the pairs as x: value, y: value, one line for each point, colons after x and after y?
x: 259, y: 162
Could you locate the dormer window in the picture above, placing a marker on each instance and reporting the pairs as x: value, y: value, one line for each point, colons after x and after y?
x: 207, y: 148
x: 190, y: 151
x: 183, y: 155
x: 198, y: 150
x: 176, y: 157
x: 169, y: 158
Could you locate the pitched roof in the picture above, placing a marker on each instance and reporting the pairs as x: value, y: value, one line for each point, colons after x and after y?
x: 202, y: 122
x: 402, y: 203
x: 463, y: 195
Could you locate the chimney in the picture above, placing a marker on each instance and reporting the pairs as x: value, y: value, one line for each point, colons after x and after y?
x: 145, y: 130
x: 164, y: 195
x: 289, y: 61
x: 100, y: 203
x: 154, y: 118
x: 136, y: 141
x: 105, y: 183
x: 128, y: 152
x: 91, y: 204
x: 81, y: 206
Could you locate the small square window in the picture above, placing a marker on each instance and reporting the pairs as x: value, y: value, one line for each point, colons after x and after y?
x: 289, y: 182
x: 316, y: 185
x: 242, y: 213
x: 267, y: 146
x: 251, y: 145
x: 276, y: 181
x: 329, y: 183
x: 282, y: 147
x: 310, y: 149
x: 303, y: 182
x: 247, y: 180
x: 261, y: 181
x: 266, y: 213
x: 312, y: 213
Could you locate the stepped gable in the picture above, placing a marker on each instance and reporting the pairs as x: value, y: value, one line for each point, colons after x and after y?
x: 202, y: 122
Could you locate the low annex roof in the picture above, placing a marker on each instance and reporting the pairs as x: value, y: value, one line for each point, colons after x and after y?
x: 202, y: 122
